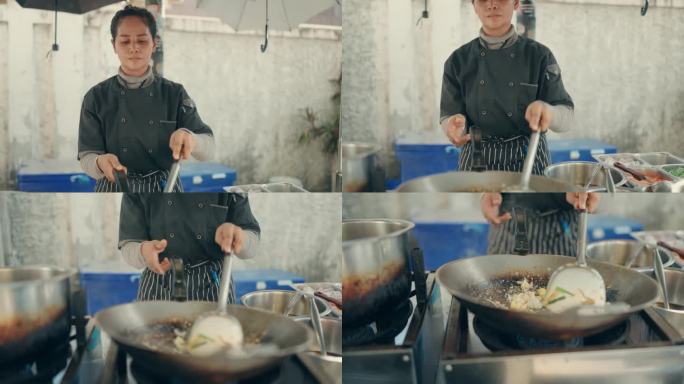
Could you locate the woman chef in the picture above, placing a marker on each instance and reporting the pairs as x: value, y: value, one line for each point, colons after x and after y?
x: 156, y: 230
x: 508, y: 86
x: 535, y: 223
x: 137, y: 122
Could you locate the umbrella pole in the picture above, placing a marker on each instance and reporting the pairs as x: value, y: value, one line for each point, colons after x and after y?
x: 55, y: 46
x: 264, y: 46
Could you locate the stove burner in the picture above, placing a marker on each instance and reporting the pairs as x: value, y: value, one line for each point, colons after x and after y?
x: 37, y: 368
x: 144, y: 375
x: 496, y: 340
x: 382, y: 331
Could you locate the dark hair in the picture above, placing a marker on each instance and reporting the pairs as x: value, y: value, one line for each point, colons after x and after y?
x: 130, y: 10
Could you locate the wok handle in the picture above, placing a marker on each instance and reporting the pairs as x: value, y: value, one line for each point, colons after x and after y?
x: 660, y: 276
x: 582, y: 238
x: 121, y: 179
x: 419, y: 278
x: 377, y: 181
x: 478, y: 157
x: 522, y: 245
x: 180, y: 291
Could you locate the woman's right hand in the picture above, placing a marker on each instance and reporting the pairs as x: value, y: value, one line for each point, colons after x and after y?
x: 489, y: 206
x: 455, y: 130
x: 150, y: 251
x: 108, y: 163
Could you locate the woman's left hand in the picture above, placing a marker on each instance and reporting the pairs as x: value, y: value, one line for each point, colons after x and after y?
x: 182, y: 143
x: 539, y: 116
x: 229, y: 237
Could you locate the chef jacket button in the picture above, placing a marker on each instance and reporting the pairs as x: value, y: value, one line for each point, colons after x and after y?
x: 123, y: 93
x: 509, y: 114
x: 199, y: 237
x: 484, y: 113
x: 482, y: 82
x: 482, y: 53
x: 151, y: 94
x: 510, y: 84
x: 171, y: 235
x: 123, y: 119
x: 149, y: 150
x: 169, y: 202
x: 124, y: 149
x: 200, y: 205
x: 150, y: 122
x: 512, y: 55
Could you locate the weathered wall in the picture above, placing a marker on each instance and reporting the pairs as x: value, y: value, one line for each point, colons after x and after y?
x: 619, y: 67
x: 300, y: 232
x: 253, y: 101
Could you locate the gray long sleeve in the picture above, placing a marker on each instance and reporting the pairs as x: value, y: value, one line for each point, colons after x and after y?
x: 204, y: 150
x: 563, y: 118
x: 89, y: 165
x: 132, y: 254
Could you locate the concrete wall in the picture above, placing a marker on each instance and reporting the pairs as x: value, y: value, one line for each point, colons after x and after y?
x: 300, y: 232
x: 654, y: 211
x: 254, y: 102
x: 620, y: 68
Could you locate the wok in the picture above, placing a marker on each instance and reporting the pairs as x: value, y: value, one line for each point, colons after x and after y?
x: 491, y: 181
x: 129, y: 324
x: 465, y: 278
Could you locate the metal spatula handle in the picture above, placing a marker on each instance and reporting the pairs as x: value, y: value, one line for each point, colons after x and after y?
x: 224, y: 288
x: 173, y: 176
x: 660, y: 276
x: 529, y: 160
x: 316, y: 322
x: 582, y: 238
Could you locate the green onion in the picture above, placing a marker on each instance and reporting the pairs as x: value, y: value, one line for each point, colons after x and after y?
x: 561, y: 290
x: 555, y: 300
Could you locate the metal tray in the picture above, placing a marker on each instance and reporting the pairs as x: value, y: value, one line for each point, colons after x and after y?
x: 673, y: 237
x: 654, y: 161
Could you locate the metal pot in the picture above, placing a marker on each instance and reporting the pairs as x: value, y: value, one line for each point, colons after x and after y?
x: 618, y: 252
x: 376, y: 274
x: 358, y: 163
x: 491, y: 181
x: 675, y: 289
x: 273, y: 300
x: 34, y: 310
x: 327, y: 369
x: 578, y: 173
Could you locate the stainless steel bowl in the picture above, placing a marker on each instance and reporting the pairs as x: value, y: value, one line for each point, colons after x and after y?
x: 618, y: 252
x: 358, y: 162
x: 578, y: 173
x: 675, y: 289
x: 273, y: 300
x: 327, y: 369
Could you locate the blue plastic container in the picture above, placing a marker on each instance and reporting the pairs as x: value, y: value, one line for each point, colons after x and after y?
x: 105, y: 289
x: 578, y: 149
x: 425, y: 154
x: 250, y: 280
x: 53, y: 176
x: 611, y: 227
x: 446, y: 235
x: 206, y: 177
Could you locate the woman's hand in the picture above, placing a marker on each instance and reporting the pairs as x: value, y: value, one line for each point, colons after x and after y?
x: 150, y: 251
x: 489, y: 206
x: 229, y: 237
x: 583, y: 200
x: 539, y: 116
x: 182, y: 143
x: 108, y: 163
x: 455, y: 130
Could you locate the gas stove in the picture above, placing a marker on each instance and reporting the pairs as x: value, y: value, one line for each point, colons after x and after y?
x: 401, y: 347
x: 642, y: 349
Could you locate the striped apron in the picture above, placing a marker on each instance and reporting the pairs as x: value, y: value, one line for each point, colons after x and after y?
x: 553, y: 233
x: 139, y: 183
x: 202, y: 281
x: 506, y: 154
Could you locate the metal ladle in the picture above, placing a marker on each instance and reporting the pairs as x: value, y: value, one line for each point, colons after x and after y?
x: 577, y: 283
x: 173, y: 176
x: 524, y: 185
x: 659, y: 270
x: 308, y: 292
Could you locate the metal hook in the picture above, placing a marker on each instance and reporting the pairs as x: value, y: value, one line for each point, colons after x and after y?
x: 644, y: 8
x: 264, y: 46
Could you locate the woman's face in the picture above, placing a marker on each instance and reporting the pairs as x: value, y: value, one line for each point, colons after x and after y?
x: 134, y: 45
x: 495, y: 15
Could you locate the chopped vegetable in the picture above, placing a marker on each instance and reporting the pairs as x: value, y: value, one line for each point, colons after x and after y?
x: 677, y: 172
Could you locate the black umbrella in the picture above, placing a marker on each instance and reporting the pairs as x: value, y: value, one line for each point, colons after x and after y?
x: 71, y: 6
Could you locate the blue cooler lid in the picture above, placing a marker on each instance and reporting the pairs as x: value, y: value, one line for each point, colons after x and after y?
x: 424, y: 141
x: 53, y: 176
x: 595, y: 147
x: 198, y: 174
x: 447, y: 216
